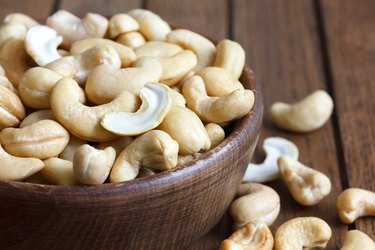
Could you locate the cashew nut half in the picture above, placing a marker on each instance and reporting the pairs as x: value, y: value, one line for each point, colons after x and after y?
x: 252, y: 236
x: 12, y: 110
x: 308, y: 186
x: 154, y: 149
x: 121, y: 23
x: 230, y: 56
x: 353, y: 203
x: 268, y: 170
x: 355, y: 239
x: 255, y: 202
x: 304, y: 116
x: 156, y: 102
x: 302, y: 233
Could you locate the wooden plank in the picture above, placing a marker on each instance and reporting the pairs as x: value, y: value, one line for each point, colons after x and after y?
x: 349, y: 29
x: 287, y: 60
x: 37, y: 9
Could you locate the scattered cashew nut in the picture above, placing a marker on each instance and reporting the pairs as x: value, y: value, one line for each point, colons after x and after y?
x: 355, y: 239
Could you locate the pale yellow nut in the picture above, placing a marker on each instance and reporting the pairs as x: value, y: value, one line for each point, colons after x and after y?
x: 117, y: 144
x: 216, y: 134
x: 20, y: 18
x: 37, y: 116
x: 177, y: 98
x: 145, y: 172
x: 13, y: 30
x: 12, y: 110
x: 133, y: 39
x: 230, y: 56
x: 43, y: 139
x: 121, y: 23
x: 4, y: 81
x: 58, y: 172
x: 71, y: 147
x: 158, y: 49
x: 355, y: 240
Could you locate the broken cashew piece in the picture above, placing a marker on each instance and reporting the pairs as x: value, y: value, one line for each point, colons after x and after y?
x: 252, y: 236
x: 268, y: 170
x: 230, y: 56
x: 121, y: 23
x: 304, y: 116
x: 353, y: 203
x: 12, y: 111
x: 307, y: 186
x: 303, y: 233
x: 156, y: 102
x: 355, y: 239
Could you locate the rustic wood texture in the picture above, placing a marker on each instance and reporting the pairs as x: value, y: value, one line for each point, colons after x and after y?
x: 37, y: 9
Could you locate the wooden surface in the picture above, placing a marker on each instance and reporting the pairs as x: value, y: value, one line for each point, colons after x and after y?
x: 294, y: 47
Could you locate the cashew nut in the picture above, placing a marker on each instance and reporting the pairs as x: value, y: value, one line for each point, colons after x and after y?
x: 72, y: 28
x: 145, y: 172
x: 304, y: 116
x: 268, y: 170
x: 302, y: 233
x: 201, y: 46
x: 216, y: 109
x: 307, y: 186
x: 37, y: 116
x: 355, y: 239
x: 255, y: 202
x: 230, y: 56
x: 353, y: 203
x: 58, y: 172
x: 182, y: 159
x: 133, y: 39
x: 121, y: 23
x: 91, y: 166
x: 252, y: 236
x: 216, y: 134
x: 20, y: 18
x: 118, y: 144
x: 157, y: 49
x: 177, y: 98
x: 12, y: 110
x: 154, y: 149
x: 156, y: 102
x: 13, y: 30
x: 150, y: 24
x: 4, y: 81
x: 71, y: 147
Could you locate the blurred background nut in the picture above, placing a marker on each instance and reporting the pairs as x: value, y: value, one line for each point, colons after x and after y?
x: 158, y: 49
x: 71, y: 147
x: 20, y: 18
x: 12, y: 110
x: 133, y: 39
x: 12, y: 30
x: 355, y: 240
x: 230, y: 56
x: 117, y: 144
x: 120, y: 24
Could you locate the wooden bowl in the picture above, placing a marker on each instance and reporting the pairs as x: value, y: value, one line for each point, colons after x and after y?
x: 165, y: 211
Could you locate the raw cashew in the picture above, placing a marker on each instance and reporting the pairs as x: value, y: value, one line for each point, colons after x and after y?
x: 126, y: 54
x: 91, y: 166
x: 158, y: 49
x: 216, y: 109
x: 4, y: 81
x: 37, y: 116
x: 252, y: 236
x: 13, y: 30
x: 307, y: 186
x: 116, y: 80
x: 268, y: 170
x: 12, y: 110
x: 58, y: 172
x: 184, y: 126
x: 182, y: 159
x: 355, y: 239
x: 303, y: 233
x: 20, y: 18
x: 72, y: 28
x: 17, y: 168
x: 255, y: 202
x: 154, y: 149
x: 201, y: 46
x: 79, y: 66
x: 150, y: 24
x: 133, y: 39
x: 117, y: 144
x: 67, y: 100
x: 71, y: 147
x: 304, y: 116
x: 121, y: 23
x: 43, y: 139
x: 36, y: 85
x: 353, y: 203
x: 230, y: 56
x: 215, y: 133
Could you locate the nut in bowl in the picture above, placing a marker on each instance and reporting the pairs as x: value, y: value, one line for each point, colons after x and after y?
x: 190, y: 183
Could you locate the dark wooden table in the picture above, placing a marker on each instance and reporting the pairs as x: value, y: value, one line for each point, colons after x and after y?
x: 294, y: 47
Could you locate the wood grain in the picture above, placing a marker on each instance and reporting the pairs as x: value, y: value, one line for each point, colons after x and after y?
x: 37, y: 9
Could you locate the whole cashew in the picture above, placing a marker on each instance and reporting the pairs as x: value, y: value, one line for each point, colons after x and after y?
x: 37, y: 116
x: 304, y: 116
x: 58, y: 172
x: 302, y: 233
x: 252, y: 236
x: 121, y: 23
x: 355, y: 239
x: 230, y: 56
x: 20, y: 18
x: 72, y: 28
x: 17, y: 168
x: 117, y: 144
x: 91, y: 166
x: 133, y: 39
x: 67, y: 100
x: 12, y: 110
x: 43, y: 139
x: 13, y: 30
x: 216, y: 109
x: 216, y: 134
x: 255, y: 202
x: 157, y: 49
x: 353, y: 203
x: 307, y: 186
x: 4, y: 81
x: 154, y: 149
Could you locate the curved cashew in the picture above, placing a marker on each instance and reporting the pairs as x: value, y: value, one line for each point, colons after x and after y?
x: 303, y: 233
x: 184, y: 126
x: 67, y: 100
x: 156, y: 102
x: 230, y: 56
x: 13, y: 30
x: 157, y: 49
x: 307, y: 186
x: 43, y: 139
x: 216, y: 134
x: 216, y: 109
x: 37, y: 116
x: 121, y: 23
x: 91, y: 166
x: 304, y: 116
x: 268, y: 170
x: 17, y: 168
x: 58, y: 172
x: 117, y: 80
x: 201, y: 46
x: 355, y: 239
x: 41, y: 44
x: 71, y: 147
x: 79, y: 66
x: 20, y: 18
x: 353, y: 203
x: 118, y: 144
x: 154, y: 149
x: 72, y: 28
x: 36, y: 85
x: 252, y: 236
x: 126, y: 54
x: 255, y: 202
x: 12, y: 110
x: 133, y: 39
x: 150, y: 24
x: 4, y: 81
